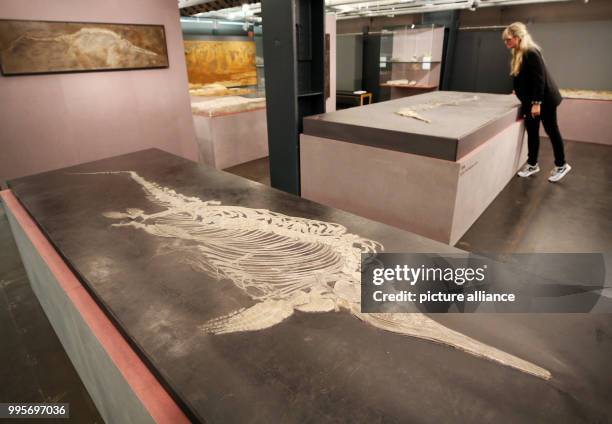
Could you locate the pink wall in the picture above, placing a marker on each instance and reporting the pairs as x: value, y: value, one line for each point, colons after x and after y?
x: 585, y: 120
x: 52, y: 121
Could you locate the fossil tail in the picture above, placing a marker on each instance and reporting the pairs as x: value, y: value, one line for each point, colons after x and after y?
x: 423, y: 327
x: 162, y: 196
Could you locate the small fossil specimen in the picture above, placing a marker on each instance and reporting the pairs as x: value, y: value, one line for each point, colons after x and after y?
x: 412, y: 111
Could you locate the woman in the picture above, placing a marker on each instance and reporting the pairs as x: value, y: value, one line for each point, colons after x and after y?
x: 539, y: 97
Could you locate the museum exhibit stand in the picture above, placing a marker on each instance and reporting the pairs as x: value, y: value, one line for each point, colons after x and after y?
x: 432, y: 172
x: 230, y: 130
x: 227, y: 94
x: 411, y: 60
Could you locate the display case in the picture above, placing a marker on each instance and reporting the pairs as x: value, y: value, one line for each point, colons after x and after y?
x: 411, y: 59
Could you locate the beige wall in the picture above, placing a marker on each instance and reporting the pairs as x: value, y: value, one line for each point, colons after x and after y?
x: 52, y: 121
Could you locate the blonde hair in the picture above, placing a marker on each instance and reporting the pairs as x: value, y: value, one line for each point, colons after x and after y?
x: 519, y: 30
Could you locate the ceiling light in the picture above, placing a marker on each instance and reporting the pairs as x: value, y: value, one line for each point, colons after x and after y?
x: 343, y: 8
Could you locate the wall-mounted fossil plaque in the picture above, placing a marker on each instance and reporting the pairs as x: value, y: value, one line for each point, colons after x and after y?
x: 40, y: 47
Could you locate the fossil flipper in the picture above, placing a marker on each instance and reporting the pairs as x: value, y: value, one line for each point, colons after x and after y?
x: 420, y: 326
x: 258, y: 317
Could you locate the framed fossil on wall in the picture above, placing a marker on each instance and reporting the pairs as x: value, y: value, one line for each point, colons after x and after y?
x: 41, y: 47
x: 229, y: 63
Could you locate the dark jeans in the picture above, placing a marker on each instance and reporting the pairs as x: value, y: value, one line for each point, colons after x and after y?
x: 548, y: 116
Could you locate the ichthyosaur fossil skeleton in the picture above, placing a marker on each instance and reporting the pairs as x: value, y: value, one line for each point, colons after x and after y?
x: 284, y: 264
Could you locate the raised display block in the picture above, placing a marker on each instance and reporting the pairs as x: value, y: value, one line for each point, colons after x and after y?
x: 230, y: 133
x: 434, y: 179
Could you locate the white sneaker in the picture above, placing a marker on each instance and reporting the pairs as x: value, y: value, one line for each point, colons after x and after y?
x: 559, y: 172
x: 528, y: 170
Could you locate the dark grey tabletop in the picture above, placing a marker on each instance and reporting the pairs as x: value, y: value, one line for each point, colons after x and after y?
x: 459, y: 122
x: 309, y: 362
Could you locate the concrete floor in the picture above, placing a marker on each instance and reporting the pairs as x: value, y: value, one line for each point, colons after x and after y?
x: 533, y: 215
x: 257, y: 170
x: 530, y: 215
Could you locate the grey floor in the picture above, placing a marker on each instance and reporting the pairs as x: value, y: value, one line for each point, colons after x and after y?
x: 574, y: 215
x: 257, y: 170
x: 533, y: 215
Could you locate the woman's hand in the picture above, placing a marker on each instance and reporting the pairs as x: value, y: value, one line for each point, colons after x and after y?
x: 535, y: 111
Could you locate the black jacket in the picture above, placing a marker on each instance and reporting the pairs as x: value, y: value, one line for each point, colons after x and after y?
x: 534, y: 83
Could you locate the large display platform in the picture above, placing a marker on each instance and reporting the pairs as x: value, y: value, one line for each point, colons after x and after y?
x: 241, y: 300
x: 432, y: 178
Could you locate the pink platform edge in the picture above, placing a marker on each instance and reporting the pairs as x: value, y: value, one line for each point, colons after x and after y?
x: 153, y: 396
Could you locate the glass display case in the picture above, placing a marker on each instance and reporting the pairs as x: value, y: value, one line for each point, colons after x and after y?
x: 411, y: 59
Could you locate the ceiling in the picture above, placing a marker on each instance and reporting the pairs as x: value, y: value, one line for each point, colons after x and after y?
x: 194, y: 7
x: 250, y: 10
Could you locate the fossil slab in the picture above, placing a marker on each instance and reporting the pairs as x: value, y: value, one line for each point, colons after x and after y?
x: 229, y: 63
x: 34, y: 47
x: 301, y: 364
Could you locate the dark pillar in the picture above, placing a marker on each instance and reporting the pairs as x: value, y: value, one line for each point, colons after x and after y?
x: 294, y: 52
x: 371, y: 65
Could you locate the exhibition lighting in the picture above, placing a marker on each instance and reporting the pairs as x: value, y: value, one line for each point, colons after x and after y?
x: 403, y: 7
x: 246, y: 12
x: 383, y: 7
x: 196, y: 20
x: 351, y: 9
